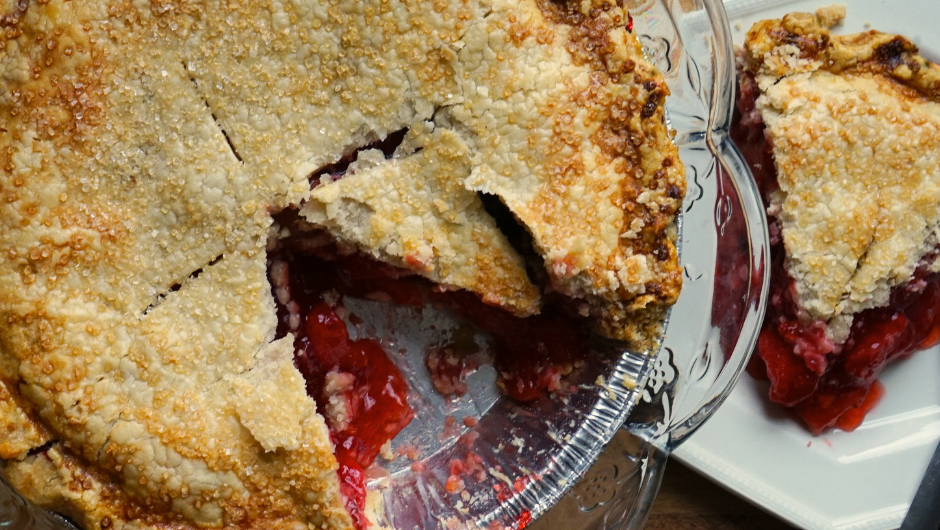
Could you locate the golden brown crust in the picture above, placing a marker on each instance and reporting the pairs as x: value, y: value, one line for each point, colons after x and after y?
x: 412, y: 211
x: 21, y: 431
x: 56, y: 480
x: 582, y: 140
x: 802, y: 42
x: 142, y: 149
x: 854, y: 122
x: 600, y: 211
x: 118, y: 186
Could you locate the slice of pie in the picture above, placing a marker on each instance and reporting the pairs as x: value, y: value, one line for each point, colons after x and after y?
x: 160, y: 158
x: 843, y: 136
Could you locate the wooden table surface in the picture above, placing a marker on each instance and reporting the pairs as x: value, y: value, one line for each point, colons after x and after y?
x: 689, y: 501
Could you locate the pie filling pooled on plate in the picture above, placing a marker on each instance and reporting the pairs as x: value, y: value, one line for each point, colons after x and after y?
x: 160, y: 366
x: 843, y: 136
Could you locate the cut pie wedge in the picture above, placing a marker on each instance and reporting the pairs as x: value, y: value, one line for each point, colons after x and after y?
x: 146, y: 150
x: 843, y: 135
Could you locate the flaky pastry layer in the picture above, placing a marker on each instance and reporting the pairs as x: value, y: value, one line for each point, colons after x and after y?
x: 854, y: 122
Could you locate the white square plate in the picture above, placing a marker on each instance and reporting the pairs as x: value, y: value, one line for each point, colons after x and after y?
x: 863, y: 480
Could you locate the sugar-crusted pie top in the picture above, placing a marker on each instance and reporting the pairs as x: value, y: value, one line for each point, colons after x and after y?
x: 143, y: 147
x: 854, y: 122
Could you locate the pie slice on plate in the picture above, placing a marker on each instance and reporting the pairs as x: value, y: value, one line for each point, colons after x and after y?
x: 159, y: 159
x: 843, y: 135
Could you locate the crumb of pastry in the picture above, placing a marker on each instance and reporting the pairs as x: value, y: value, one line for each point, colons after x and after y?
x: 386, y: 451
x: 831, y: 16
x: 337, y: 384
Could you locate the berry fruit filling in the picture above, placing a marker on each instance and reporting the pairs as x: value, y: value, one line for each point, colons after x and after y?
x: 827, y: 385
x: 358, y: 388
x: 530, y: 354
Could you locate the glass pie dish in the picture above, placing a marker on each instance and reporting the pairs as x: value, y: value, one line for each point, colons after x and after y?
x: 530, y: 457
x: 725, y: 252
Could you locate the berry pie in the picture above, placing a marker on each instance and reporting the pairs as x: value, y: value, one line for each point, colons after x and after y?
x: 188, y: 188
x: 843, y: 136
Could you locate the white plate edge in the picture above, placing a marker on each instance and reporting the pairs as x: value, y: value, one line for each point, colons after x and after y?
x: 770, y: 499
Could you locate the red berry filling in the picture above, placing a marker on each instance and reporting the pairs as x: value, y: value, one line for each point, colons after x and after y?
x: 356, y: 385
x: 361, y: 391
x: 827, y: 385
x: 530, y: 354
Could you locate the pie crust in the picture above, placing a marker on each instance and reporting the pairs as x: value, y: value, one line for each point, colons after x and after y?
x: 854, y: 122
x: 144, y: 147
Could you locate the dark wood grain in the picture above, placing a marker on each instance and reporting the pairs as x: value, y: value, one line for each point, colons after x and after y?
x: 689, y: 501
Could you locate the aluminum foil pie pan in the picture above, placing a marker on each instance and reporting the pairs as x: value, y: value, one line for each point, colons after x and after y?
x: 518, y: 460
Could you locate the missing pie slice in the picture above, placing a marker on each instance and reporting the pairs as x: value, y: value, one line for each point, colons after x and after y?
x: 843, y: 136
x: 149, y: 368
